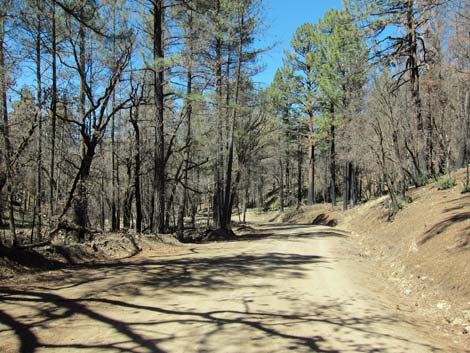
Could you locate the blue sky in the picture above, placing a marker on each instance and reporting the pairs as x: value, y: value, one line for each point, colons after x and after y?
x: 282, y: 18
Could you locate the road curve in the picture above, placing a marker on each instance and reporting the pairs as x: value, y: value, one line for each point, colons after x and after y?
x: 288, y: 288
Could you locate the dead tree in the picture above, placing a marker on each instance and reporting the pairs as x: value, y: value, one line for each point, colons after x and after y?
x: 92, y: 126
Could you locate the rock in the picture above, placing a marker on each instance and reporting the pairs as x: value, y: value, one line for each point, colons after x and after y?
x: 443, y: 306
x: 467, y: 330
x: 457, y: 322
x: 466, y: 314
x: 408, y: 291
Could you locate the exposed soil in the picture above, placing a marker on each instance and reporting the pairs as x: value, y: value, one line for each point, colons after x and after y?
x: 284, y: 288
x: 424, y: 252
x: 367, y: 285
x: 18, y: 263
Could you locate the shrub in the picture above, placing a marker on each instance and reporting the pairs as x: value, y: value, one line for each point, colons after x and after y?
x: 446, y: 183
x: 423, y: 179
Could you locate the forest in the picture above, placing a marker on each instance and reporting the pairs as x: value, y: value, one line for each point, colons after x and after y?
x: 145, y: 115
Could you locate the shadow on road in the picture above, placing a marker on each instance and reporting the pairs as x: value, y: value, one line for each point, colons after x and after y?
x: 285, y: 231
x: 108, y: 289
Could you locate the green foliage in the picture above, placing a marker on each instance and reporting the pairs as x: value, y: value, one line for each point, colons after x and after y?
x: 423, y: 179
x: 446, y: 183
x: 280, y: 91
x: 339, y: 58
x: 303, y: 73
x: 327, y: 65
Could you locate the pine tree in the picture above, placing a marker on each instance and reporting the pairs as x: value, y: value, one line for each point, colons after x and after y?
x: 305, y: 92
x: 338, y: 62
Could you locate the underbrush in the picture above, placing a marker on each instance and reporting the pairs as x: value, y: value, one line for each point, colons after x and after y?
x: 446, y: 183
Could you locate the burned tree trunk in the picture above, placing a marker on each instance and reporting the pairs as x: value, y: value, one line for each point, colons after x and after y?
x: 311, y: 174
x: 137, y: 166
x: 5, y: 130
x: 159, y: 182
x: 346, y: 185
x: 332, y: 157
x: 80, y: 200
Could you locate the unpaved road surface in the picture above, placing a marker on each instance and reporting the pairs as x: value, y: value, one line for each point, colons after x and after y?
x: 291, y: 288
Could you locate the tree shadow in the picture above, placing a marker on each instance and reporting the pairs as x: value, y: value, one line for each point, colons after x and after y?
x: 440, y: 227
x: 73, y: 306
x: 29, y: 258
x: 137, y: 326
x: 288, y: 226
x: 280, y: 226
x: 265, y: 323
x: 214, y: 273
x: 28, y: 340
x: 297, y: 235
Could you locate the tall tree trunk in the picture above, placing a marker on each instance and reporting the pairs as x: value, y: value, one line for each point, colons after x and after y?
x: 299, y: 170
x: 345, y: 186
x: 311, y: 174
x: 288, y: 176
x: 38, y: 208
x: 5, y: 129
x: 127, y: 204
x: 246, y: 195
x: 413, y: 68
x: 159, y: 187
x: 58, y: 185
x: 80, y: 201
x: 332, y: 157
x: 53, y: 113
x: 102, y: 197
x: 115, y: 202
x: 187, y: 155
x: 114, y: 221
x: 115, y: 197
x: 137, y: 165
x: 354, y: 185
x: 467, y: 138
x: 3, y: 179
x: 219, y: 201
x: 429, y: 152
x: 348, y: 175
x: 229, y: 195
x: 281, y: 185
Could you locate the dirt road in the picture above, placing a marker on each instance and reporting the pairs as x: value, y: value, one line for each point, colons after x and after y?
x: 292, y: 288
